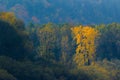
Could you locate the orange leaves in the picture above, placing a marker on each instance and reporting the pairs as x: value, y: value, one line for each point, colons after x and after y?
x: 85, y: 37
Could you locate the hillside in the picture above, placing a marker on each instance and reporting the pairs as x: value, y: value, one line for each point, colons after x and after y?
x: 61, y: 11
x: 58, y: 51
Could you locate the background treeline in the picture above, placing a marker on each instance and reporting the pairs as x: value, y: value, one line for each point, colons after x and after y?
x: 46, y: 52
x: 64, y: 11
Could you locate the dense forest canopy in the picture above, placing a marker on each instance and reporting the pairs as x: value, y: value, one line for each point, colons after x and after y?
x: 58, y: 51
x: 64, y: 11
x: 59, y: 40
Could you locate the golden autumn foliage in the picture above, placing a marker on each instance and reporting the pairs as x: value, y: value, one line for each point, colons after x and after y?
x: 85, y: 37
x: 8, y: 16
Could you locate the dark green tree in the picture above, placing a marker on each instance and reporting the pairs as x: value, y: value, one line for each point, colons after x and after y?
x: 109, y: 41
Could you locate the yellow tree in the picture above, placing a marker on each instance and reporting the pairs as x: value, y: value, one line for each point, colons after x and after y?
x: 85, y: 37
x: 8, y: 16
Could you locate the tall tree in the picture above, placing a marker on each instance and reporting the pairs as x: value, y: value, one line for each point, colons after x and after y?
x: 14, y: 40
x: 85, y: 40
x: 109, y: 41
x: 67, y: 44
x: 48, y: 42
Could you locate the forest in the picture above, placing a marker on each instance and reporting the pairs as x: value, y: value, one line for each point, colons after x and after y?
x: 64, y: 11
x: 58, y: 51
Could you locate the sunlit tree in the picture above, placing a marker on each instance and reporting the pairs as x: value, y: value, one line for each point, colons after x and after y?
x: 8, y: 16
x: 85, y: 37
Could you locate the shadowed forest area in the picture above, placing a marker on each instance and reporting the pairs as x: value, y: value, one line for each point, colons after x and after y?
x: 58, y: 51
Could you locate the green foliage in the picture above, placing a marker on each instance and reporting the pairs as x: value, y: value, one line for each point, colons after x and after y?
x: 46, y: 52
x: 109, y: 41
x: 23, y: 70
x: 48, y: 42
x: 4, y: 75
x: 67, y: 44
x: 14, y: 41
x: 113, y: 67
x: 96, y: 72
